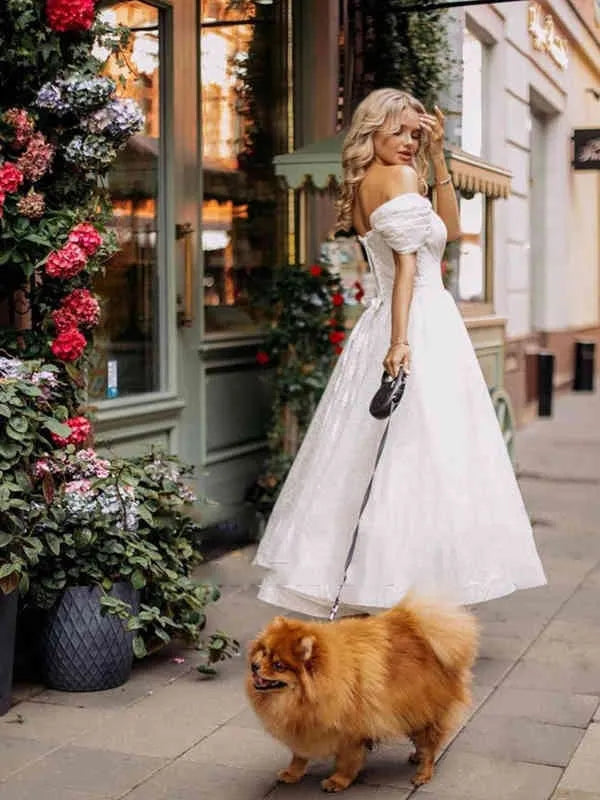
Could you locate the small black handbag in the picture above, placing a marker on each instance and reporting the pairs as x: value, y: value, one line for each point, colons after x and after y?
x: 386, y: 398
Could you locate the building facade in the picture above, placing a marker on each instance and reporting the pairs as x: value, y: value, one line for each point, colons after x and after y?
x: 228, y: 85
x: 539, y: 65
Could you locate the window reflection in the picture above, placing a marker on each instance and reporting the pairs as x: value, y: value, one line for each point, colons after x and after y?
x: 471, y: 273
x: 127, y: 355
x: 240, y: 222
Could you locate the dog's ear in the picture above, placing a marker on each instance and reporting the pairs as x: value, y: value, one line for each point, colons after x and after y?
x: 306, y: 647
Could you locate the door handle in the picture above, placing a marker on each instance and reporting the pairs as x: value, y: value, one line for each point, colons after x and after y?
x: 185, y: 313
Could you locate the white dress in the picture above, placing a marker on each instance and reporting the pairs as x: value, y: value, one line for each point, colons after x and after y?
x: 445, y: 515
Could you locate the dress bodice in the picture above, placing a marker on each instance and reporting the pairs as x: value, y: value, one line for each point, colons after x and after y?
x: 405, y: 224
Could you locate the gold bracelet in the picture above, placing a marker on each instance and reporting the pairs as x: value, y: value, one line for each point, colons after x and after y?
x: 444, y: 182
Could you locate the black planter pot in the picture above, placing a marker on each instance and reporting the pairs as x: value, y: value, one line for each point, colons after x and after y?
x: 83, y: 650
x: 8, y: 627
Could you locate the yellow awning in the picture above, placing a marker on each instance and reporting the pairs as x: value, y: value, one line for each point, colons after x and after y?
x: 472, y: 174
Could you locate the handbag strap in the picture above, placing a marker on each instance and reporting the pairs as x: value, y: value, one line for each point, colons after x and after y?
x: 351, y: 549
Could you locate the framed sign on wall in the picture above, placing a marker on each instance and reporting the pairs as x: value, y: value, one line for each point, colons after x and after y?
x: 586, y: 149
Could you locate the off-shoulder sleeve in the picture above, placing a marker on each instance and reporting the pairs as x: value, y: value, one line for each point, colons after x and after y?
x: 404, y: 222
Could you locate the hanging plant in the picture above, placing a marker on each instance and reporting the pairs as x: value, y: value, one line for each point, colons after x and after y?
x: 305, y: 309
x: 399, y: 49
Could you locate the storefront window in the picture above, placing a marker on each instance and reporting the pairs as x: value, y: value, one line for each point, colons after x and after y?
x: 243, y: 207
x: 127, y: 357
x: 472, y: 94
x: 471, y: 259
x: 467, y: 259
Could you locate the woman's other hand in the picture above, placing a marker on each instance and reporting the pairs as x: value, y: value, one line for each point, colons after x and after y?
x: 398, y: 356
x: 433, y: 125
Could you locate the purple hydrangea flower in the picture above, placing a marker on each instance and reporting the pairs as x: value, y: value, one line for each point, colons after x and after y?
x: 119, y: 119
x: 86, y: 94
x: 50, y: 98
x: 90, y: 152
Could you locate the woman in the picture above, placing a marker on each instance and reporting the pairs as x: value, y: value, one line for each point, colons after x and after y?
x: 445, y: 515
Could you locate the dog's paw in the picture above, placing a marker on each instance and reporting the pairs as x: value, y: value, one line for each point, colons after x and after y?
x: 285, y: 776
x: 422, y: 776
x: 335, y: 784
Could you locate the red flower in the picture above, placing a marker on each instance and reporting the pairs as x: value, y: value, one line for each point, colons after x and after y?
x: 337, y: 299
x: 360, y: 293
x: 335, y: 337
x: 37, y: 158
x: 83, y: 307
x: 68, y: 345
x: 66, y: 262
x: 22, y: 125
x: 262, y: 358
x: 80, y: 430
x: 11, y: 177
x: 332, y: 322
x: 338, y: 349
x: 87, y: 237
x: 70, y: 15
x: 64, y: 320
x: 2, y: 199
x: 316, y: 270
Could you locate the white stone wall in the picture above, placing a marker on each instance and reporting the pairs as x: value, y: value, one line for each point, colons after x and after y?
x: 547, y: 233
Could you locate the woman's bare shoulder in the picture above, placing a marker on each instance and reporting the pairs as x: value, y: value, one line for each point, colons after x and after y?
x: 398, y: 179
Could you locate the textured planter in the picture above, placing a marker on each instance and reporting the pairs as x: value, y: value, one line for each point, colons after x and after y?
x: 8, y: 626
x: 83, y: 650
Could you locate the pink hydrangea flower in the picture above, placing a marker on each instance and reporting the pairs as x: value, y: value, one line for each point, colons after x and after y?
x: 87, y: 237
x: 66, y: 262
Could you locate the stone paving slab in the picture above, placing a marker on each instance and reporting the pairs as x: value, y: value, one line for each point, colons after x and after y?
x: 50, y: 723
x: 461, y: 775
x: 575, y: 679
x: 519, y: 739
x: 583, y: 773
x: 147, y: 676
x: 83, y: 771
x: 557, y: 708
x: 244, y: 748
x: 16, y: 753
x: 567, y: 794
x: 507, y: 648
x: 309, y: 789
x: 186, y: 780
x: 173, y: 720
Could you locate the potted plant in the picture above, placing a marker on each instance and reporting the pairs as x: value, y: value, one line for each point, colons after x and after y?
x: 115, y: 571
x: 27, y: 393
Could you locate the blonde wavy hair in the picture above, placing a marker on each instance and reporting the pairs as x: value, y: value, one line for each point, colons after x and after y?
x: 379, y: 111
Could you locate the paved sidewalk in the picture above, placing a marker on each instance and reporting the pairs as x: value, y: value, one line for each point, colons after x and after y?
x: 534, y: 732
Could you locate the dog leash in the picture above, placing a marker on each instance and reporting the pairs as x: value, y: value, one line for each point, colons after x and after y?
x: 350, y: 555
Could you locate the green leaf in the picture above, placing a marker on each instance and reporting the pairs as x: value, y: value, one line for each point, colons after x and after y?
x: 56, y: 427
x: 138, y: 579
x: 53, y: 543
x: 8, y: 449
x: 145, y: 514
x: 8, y: 569
x: 5, y: 538
x: 139, y: 647
x: 5, y: 410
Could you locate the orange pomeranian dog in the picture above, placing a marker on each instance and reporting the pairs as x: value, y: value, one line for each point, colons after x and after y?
x: 331, y: 689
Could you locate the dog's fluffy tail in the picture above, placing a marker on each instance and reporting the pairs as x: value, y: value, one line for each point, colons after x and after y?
x: 451, y: 632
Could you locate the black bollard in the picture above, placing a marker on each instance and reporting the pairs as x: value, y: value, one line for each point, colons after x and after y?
x: 584, y: 366
x: 545, y: 383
